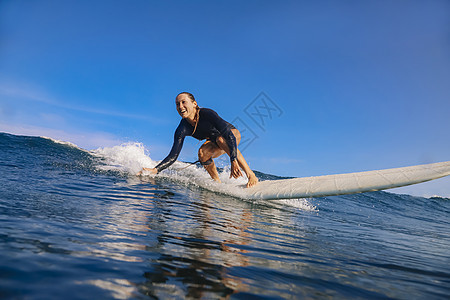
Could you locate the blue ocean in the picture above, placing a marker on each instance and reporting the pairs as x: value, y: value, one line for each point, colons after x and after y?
x: 78, y: 224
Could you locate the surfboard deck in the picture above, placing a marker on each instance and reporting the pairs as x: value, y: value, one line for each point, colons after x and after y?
x: 349, y: 183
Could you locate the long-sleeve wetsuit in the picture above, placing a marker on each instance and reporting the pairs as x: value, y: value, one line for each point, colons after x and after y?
x: 210, y: 126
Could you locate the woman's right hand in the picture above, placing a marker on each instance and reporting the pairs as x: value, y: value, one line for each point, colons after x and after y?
x: 235, y: 169
x: 151, y: 170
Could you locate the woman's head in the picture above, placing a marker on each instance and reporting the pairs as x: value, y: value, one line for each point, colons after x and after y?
x: 186, y: 105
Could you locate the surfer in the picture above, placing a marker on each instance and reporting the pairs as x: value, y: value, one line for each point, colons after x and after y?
x: 221, y: 137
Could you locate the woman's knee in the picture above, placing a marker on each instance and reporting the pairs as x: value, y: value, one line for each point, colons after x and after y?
x: 220, y: 140
x: 206, y: 151
x: 202, y: 154
x: 237, y: 135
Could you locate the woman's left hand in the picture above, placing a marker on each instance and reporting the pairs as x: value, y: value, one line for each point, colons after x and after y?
x: 151, y: 170
x: 235, y: 170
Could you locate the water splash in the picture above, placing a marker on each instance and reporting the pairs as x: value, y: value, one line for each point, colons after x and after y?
x: 129, y: 158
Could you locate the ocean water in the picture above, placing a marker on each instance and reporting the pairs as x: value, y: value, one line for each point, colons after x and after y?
x: 77, y: 224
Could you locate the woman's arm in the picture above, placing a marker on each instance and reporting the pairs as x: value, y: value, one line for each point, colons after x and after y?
x: 178, y: 140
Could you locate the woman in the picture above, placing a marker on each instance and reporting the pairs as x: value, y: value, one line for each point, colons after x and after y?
x: 221, y: 137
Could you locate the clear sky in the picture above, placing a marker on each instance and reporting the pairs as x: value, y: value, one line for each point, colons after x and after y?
x: 348, y: 85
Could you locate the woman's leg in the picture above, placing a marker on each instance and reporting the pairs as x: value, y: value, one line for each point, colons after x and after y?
x: 210, y: 150
x: 206, y: 153
x: 222, y: 143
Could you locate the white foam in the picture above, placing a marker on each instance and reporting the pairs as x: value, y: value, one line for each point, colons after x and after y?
x: 127, y: 157
x: 301, y: 203
x: 62, y: 142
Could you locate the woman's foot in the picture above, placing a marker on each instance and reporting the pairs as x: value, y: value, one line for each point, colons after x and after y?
x: 252, y: 180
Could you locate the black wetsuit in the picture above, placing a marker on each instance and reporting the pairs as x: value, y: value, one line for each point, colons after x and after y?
x: 210, y: 126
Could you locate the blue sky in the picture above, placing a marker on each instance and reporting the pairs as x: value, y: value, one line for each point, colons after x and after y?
x: 360, y: 85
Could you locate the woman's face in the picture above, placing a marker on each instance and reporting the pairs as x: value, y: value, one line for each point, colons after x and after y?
x: 186, y: 107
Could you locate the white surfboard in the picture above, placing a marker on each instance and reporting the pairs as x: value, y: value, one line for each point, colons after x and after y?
x: 351, y: 183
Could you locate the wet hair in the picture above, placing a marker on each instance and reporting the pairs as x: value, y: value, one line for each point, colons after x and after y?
x: 190, y: 96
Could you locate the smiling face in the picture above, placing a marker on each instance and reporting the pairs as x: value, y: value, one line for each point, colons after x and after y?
x: 186, y: 107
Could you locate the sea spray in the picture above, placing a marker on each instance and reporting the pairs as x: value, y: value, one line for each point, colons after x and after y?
x: 128, y: 157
